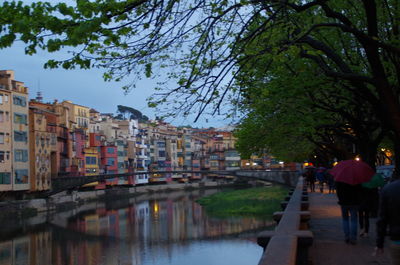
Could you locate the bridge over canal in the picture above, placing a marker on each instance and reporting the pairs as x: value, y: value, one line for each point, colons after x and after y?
x: 288, y: 178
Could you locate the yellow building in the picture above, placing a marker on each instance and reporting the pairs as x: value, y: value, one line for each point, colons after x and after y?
x: 91, y: 161
x: 5, y: 139
x: 14, y: 133
x: 79, y: 117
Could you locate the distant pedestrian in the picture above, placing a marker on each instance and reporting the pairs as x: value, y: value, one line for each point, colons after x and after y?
x: 320, y: 176
x: 330, y: 181
x: 389, y: 217
x: 349, y: 201
x: 309, y: 175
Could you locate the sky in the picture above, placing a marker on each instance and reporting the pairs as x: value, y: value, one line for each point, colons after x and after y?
x: 85, y: 87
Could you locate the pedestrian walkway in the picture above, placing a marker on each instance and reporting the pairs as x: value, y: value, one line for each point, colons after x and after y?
x: 329, y: 247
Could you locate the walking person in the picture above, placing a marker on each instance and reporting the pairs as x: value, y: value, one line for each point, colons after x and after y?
x: 368, y: 202
x: 389, y: 217
x: 348, y: 175
x: 310, y: 177
x: 349, y: 201
x: 320, y: 175
x: 364, y: 212
x: 330, y: 181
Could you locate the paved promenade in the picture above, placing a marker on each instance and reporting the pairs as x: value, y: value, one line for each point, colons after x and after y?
x: 329, y: 247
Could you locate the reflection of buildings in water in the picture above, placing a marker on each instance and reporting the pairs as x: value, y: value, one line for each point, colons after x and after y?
x: 123, y: 236
x: 161, y: 221
x: 32, y: 249
x: 6, y: 253
x: 41, y: 246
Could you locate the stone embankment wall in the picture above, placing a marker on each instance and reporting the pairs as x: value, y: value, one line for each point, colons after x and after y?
x: 287, y: 178
x: 69, y: 200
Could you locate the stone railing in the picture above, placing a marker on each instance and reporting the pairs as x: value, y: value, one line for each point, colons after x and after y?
x: 288, y: 244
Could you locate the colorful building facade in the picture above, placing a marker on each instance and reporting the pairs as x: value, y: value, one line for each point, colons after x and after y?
x: 15, y: 103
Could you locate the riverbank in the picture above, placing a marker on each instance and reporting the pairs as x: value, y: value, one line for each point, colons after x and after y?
x: 65, y: 201
x: 260, y: 202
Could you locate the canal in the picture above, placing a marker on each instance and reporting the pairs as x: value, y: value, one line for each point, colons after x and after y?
x: 156, y: 229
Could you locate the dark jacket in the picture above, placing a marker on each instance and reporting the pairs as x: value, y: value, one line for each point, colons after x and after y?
x: 389, y: 213
x: 369, y: 200
x: 348, y: 195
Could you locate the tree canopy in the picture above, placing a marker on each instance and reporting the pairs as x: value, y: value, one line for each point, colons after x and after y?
x: 131, y: 112
x: 205, y: 44
x: 297, y: 112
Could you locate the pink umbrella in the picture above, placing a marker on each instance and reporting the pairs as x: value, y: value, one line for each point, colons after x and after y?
x: 352, y: 172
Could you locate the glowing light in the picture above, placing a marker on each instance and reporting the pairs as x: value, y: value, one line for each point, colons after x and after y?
x: 357, y: 158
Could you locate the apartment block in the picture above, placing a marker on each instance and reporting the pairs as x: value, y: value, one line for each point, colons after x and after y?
x: 43, y: 148
x: 5, y: 137
x: 14, y: 101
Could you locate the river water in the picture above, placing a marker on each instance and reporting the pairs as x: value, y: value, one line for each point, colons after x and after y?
x: 158, y: 229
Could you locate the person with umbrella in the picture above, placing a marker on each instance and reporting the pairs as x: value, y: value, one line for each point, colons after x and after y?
x: 348, y: 175
x: 389, y: 217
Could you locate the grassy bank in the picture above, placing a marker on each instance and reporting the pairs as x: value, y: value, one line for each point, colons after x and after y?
x: 261, y: 202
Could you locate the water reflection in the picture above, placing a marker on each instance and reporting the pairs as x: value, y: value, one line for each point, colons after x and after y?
x: 156, y: 231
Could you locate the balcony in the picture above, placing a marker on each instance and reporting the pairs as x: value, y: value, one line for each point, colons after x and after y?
x: 232, y: 158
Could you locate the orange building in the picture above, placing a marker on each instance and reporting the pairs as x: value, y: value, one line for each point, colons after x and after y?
x: 42, y: 148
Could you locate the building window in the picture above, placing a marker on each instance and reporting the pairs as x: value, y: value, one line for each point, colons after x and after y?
x: 5, y: 178
x: 110, y: 150
x: 19, y: 100
x: 1, y: 98
x: 20, y: 155
x: 20, y: 118
x: 53, y: 139
x: 21, y: 176
x: 2, y: 156
x: 1, y: 116
x: 20, y: 136
x: 110, y: 161
x: 214, y: 157
x: 1, y: 138
x: 5, y: 98
x: 161, y: 153
x: 213, y: 164
x: 91, y: 160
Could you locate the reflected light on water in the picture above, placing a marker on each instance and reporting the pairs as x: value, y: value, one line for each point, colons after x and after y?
x: 172, y: 230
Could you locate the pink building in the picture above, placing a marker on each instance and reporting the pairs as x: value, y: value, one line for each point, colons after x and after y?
x: 78, y: 145
x: 109, y: 159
